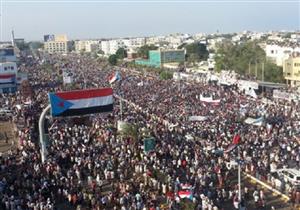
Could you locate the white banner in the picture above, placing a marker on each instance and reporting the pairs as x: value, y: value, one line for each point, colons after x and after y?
x: 253, y: 121
x: 67, y: 77
x: 197, y: 118
x: 284, y: 95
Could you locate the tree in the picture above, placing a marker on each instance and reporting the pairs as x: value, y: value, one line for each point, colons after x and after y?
x: 144, y: 50
x: 273, y: 73
x: 36, y: 45
x: 22, y: 46
x: 112, y: 59
x: 239, y: 57
x: 121, y: 53
x: 130, y: 130
x: 195, y: 52
x: 165, y: 75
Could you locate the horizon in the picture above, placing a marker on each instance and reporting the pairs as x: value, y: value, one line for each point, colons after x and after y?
x: 123, y: 19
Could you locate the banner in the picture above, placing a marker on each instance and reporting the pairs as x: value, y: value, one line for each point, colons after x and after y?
x: 246, y: 85
x: 282, y: 95
x: 149, y: 144
x: 253, y: 121
x: 67, y: 77
x: 209, y: 99
x: 122, y: 126
x: 197, y: 118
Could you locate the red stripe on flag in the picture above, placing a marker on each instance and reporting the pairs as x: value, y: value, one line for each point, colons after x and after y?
x: 6, y: 76
x: 81, y: 94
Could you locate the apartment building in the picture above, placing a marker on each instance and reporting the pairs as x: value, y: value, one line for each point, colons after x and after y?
x: 56, y: 44
x: 291, y: 70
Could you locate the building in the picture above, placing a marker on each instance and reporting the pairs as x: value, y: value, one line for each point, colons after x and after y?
x: 8, y: 74
x: 87, y: 46
x: 110, y: 47
x: 7, y: 54
x: 291, y: 70
x: 158, y: 58
x: 56, y: 44
x: 278, y: 53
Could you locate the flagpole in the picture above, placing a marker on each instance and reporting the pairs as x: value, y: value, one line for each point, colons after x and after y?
x: 121, y: 99
x: 121, y: 106
x: 239, y: 175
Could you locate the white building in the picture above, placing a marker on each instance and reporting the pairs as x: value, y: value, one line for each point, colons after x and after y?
x: 110, y: 47
x: 278, y: 53
x: 114, y: 45
x: 8, y: 68
x: 132, y: 44
x: 155, y: 40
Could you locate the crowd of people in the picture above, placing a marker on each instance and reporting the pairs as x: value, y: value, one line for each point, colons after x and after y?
x: 89, y: 165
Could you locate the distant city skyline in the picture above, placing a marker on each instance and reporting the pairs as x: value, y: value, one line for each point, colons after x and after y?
x: 32, y: 20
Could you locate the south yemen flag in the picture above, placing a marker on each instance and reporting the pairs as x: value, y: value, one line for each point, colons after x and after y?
x: 81, y: 102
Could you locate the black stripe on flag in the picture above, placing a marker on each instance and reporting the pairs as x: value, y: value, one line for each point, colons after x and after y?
x: 85, y: 111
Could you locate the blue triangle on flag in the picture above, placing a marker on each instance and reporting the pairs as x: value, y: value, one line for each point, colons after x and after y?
x: 58, y: 105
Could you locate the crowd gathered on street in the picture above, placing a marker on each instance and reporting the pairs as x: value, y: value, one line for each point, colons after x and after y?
x: 89, y: 165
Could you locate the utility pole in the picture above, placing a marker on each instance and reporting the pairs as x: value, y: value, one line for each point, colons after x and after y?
x: 249, y: 67
x: 263, y: 71
x: 1, y: 21
x: 239, y: 174
x: 256, y: 69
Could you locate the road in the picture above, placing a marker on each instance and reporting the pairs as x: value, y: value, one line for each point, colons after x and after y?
x: 278, y: 202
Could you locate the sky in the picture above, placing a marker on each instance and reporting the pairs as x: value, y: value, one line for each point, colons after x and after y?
x: 31, y: 19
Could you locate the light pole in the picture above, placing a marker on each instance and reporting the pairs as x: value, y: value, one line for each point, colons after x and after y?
x: 42, y: 133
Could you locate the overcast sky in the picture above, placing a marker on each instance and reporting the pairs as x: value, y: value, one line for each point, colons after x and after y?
x: 80, y: 20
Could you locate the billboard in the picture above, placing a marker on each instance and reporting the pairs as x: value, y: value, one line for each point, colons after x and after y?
x: 7, y: 52
x: 49, y: 37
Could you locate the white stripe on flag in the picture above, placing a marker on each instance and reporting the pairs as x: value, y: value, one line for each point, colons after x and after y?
x: 8, y: 80
x: 91, y: 102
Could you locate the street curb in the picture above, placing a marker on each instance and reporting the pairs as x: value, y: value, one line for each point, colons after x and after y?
x: 275, y: 191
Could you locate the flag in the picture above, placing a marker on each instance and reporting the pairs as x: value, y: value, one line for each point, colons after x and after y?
x: 185, y: 194
x: 7, y: 78
x: 253, y: 121
x: 230, y: 148
x: 186, y: 186
x: 236, y: 139
x: 81, y: 102
x: 114, y: 77
x: 269, y: 128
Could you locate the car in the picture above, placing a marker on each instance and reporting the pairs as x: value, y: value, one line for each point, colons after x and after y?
x: 290, y: 175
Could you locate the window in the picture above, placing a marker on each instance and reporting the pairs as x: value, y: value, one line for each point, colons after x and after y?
x: 296, y: 64
x: 5, y: 68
